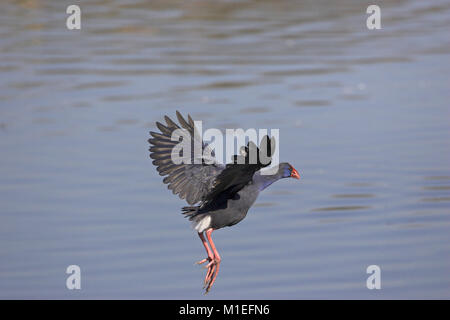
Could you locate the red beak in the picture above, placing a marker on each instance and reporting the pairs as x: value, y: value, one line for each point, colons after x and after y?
x: 294, y: 174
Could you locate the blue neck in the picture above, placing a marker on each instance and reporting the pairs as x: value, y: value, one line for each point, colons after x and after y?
x: 263, y: 181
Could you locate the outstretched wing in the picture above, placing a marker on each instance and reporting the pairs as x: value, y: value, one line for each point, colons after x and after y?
x: 189, y: 181
x: 240, y: 172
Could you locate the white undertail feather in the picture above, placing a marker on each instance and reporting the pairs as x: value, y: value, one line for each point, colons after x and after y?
x: 201, y: 224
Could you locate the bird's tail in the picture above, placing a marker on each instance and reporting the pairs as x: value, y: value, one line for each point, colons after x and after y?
x: 190, y: 212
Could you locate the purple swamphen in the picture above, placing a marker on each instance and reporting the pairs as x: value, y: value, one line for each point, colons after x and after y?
x: 223, y: 193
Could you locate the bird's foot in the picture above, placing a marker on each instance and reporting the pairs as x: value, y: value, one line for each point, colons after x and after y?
x: 211, y: 274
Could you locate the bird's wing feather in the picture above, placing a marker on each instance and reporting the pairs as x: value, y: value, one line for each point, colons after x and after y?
x: 189, y: 181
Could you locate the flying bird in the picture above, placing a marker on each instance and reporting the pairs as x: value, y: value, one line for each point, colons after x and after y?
x: 219, y: 195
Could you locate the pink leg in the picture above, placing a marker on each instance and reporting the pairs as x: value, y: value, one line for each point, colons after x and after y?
x: 208, y: 251
x: 210, y: 258
x: 213, y: 266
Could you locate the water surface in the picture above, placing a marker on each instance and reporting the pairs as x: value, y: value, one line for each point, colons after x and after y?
x: 363, y: 115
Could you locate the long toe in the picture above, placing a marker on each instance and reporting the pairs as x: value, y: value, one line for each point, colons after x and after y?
x: 203, y: 261
x: 209, y: 275
x: 211, y: 282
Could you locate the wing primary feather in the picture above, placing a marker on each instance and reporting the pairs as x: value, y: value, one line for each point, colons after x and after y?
x: 162, y: 143
x: 183, y: 122
x: 161, y: 155
x: 170, y: 123
x: 191, y: 122
x: 160, y: 136
x: 162, y: 162
x: 163, y: 128
x: 157, y: 149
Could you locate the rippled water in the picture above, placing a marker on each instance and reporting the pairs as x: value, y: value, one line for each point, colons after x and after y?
x: 363, y: 115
